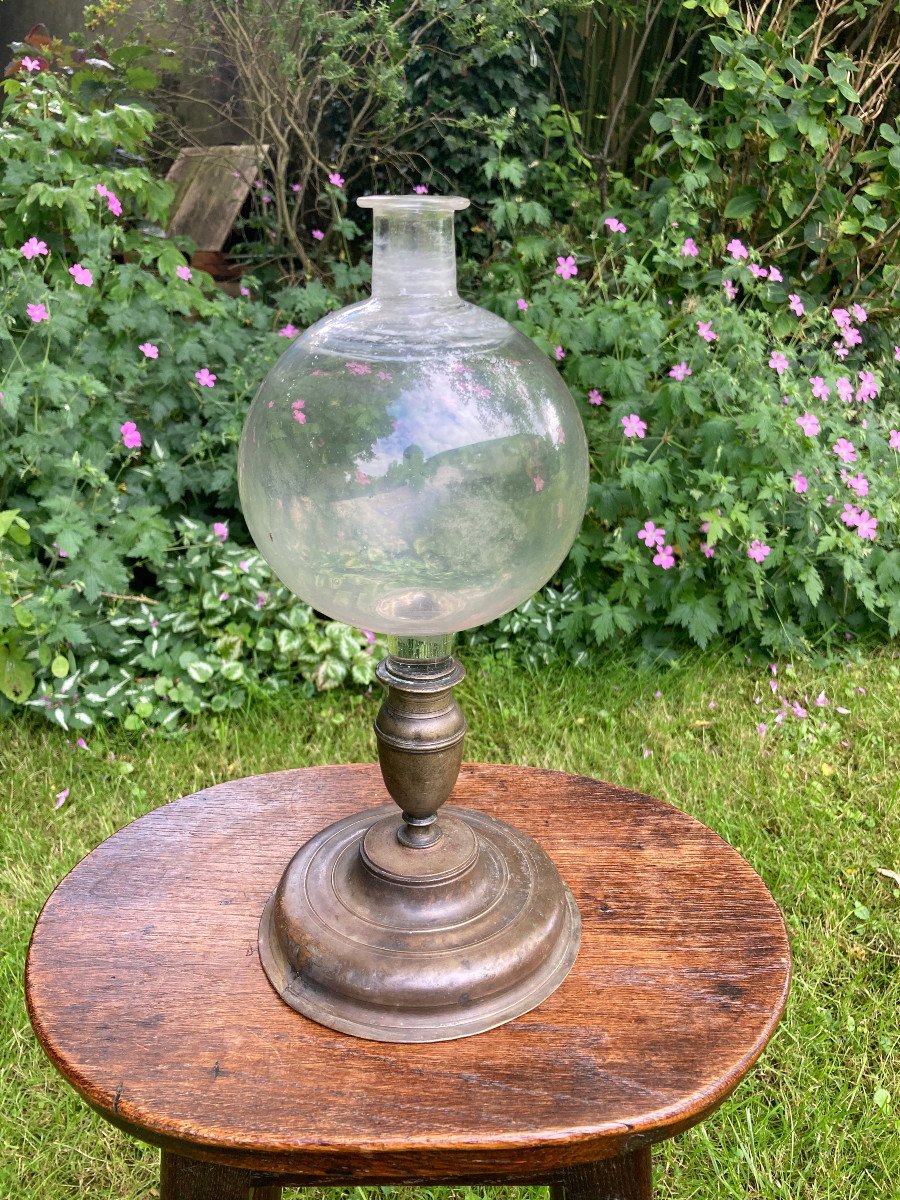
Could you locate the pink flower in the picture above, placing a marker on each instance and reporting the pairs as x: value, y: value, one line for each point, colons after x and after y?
x: 538, y: 483
x: 566, y: 266
x: 868, y: 388
x: 850, y: 515
x: 867, y: 526
x: 819, y: 387
x: 858, y: 483
x: 840, y: 350
x: 594, y: 397
x: 652, y: 535
x: 775, y: 275
x: 37, y: 312
x: 809, y: 424
x: 220, y: 530
x: 897, y: 354
x: 708, y: 550
x: 149, y: 350
x: 614, y: 224
x: 244, y: 565
x: 318, y: 235
x: 762, y: 729
x: 852, y: 337
x: 730, y: 290
x: 261, y: 598
x: 841, y: 317
x: 778, y: 362
x: 297, y: 412
x: 844, y: 388
x: 131, y: 437
x: 81, y: 275
x: 420, y: 189
x: 845, y: 450
x: 336, y: 179
x: 859, y: 313
x: 522, y: 304
x: 289, y: 331
x: 758, y: 550
x: 559, y: 353
x: 894, y: 439
x: 705, y: 330
x: 689, y: 248
x: 61, y: 797
x: 756, y: 271
x: 798, y: 710
x: 737, y: 249
x: 796, y: 304
x: 634, y: 426
x: 680, y: 372
x: 295, y: 187
x: 183, y: 273
x: 33, y: 247
x: 267, y: 199
x: 245, y: 291
x: 801, y: 483
x: 223, y: 596
x: 34, y: 64
x: 356, y: 368
x: 205, y: 377
x: 361, y: 477
x: 664, y: 558
x: 821, y: 701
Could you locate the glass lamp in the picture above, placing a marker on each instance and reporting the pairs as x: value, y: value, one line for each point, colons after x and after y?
x: 415, y: 466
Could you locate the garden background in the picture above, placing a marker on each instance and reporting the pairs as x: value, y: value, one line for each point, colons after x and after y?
x: 694, y: 209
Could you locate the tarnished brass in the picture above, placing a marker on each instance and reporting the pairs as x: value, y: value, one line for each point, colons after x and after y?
x: 399, y: 928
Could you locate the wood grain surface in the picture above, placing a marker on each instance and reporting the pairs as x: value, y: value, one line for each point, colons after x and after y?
x: 145, y: 989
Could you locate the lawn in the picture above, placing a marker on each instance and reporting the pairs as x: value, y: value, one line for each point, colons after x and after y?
x: 813, y: 804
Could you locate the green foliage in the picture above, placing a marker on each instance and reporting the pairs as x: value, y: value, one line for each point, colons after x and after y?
x: 110, y: 601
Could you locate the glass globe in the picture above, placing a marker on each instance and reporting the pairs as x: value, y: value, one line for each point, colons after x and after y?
x: 412, y: 464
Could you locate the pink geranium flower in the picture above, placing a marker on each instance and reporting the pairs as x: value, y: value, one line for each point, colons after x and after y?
x: 737, y: 249
x: 840, y: 349
x: 318, y: 235
x: 845, y: 450
x: 634, y: 426
x: 664, y: 558
x: 559, y: 353
x: 183, y: 273
x: 205, y: 377
x: 61, y: 797
x: 288, y: 331
x: 594, y: 397
x: 775, y: 275
x: 149, y: 350
x: 297, y: 412
x: 859, y: 313
x: 841, y: 318
x: 538, y: 483
x: 680, y: 372
x: 521, y: 304
x: 705, y: 330
x: 708, y: 550
x: 730, y: 289
x: 356, y: 368
x: 801, y: 483
x: 852, y: 336
x: 809, y: 423
x: 566, y: 266
x: 796, y: 304
x: 778, y: 362
x: 81, y: 275
x: 867, y: 526
x: 844, y: 388
x: 220, y: 530
x: 420, y: 189
x: 757, y: 271
x: 131, y: 437
x: 850, y: 515
x: 295, y: 187
x: 33, y: 247
x: 336, y: 179
x: 868, y: 388
x: 37, y: 312
x: 34, y: 64
x: 652, y: 535
x: 819, y: 387
x: 614, y: 224
x: 858, y: 483
x: 758, y: 551
x: 245, y: 291
x: 894, y: 439
x: 689, y: 248
x: 897, y: 354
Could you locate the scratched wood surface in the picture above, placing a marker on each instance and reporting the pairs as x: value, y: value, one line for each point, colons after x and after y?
x: 145, y: 990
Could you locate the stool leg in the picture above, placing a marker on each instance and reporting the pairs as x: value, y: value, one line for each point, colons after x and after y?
x: 626, y: 1177
x: 190, y: 1179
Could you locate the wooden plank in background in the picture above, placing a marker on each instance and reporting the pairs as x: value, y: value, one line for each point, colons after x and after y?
x: 211, y: 184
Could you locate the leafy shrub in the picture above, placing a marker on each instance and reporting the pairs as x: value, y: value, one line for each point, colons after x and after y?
x: 125, y: 380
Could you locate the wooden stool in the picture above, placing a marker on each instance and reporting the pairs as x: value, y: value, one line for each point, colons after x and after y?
x: 145, y: 990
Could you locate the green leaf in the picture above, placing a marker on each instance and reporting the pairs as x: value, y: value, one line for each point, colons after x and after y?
x: 16, y: 675
x: 701, y: 618
x: 777, y: 151
x: 59, y: 668
x: 200, y: 672
x: 743, y: 205
x: 728, y: 80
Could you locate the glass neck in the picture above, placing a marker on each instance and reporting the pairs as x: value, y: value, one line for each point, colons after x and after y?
x: 413, y: 255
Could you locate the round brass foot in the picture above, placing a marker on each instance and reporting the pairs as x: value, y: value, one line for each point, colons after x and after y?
x: 374, y: 938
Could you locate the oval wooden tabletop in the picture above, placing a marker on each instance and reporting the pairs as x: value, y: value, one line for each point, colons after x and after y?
x: 145, y: 989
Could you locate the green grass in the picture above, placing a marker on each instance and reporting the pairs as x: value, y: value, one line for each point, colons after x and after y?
x: 816, y: 811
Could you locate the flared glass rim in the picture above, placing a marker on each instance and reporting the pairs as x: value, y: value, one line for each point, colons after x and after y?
x: 414, y: 203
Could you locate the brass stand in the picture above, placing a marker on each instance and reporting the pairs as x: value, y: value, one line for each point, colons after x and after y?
x: 402, y: 929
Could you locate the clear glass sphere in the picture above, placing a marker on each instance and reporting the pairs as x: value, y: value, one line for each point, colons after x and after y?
x: 412, y: 464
